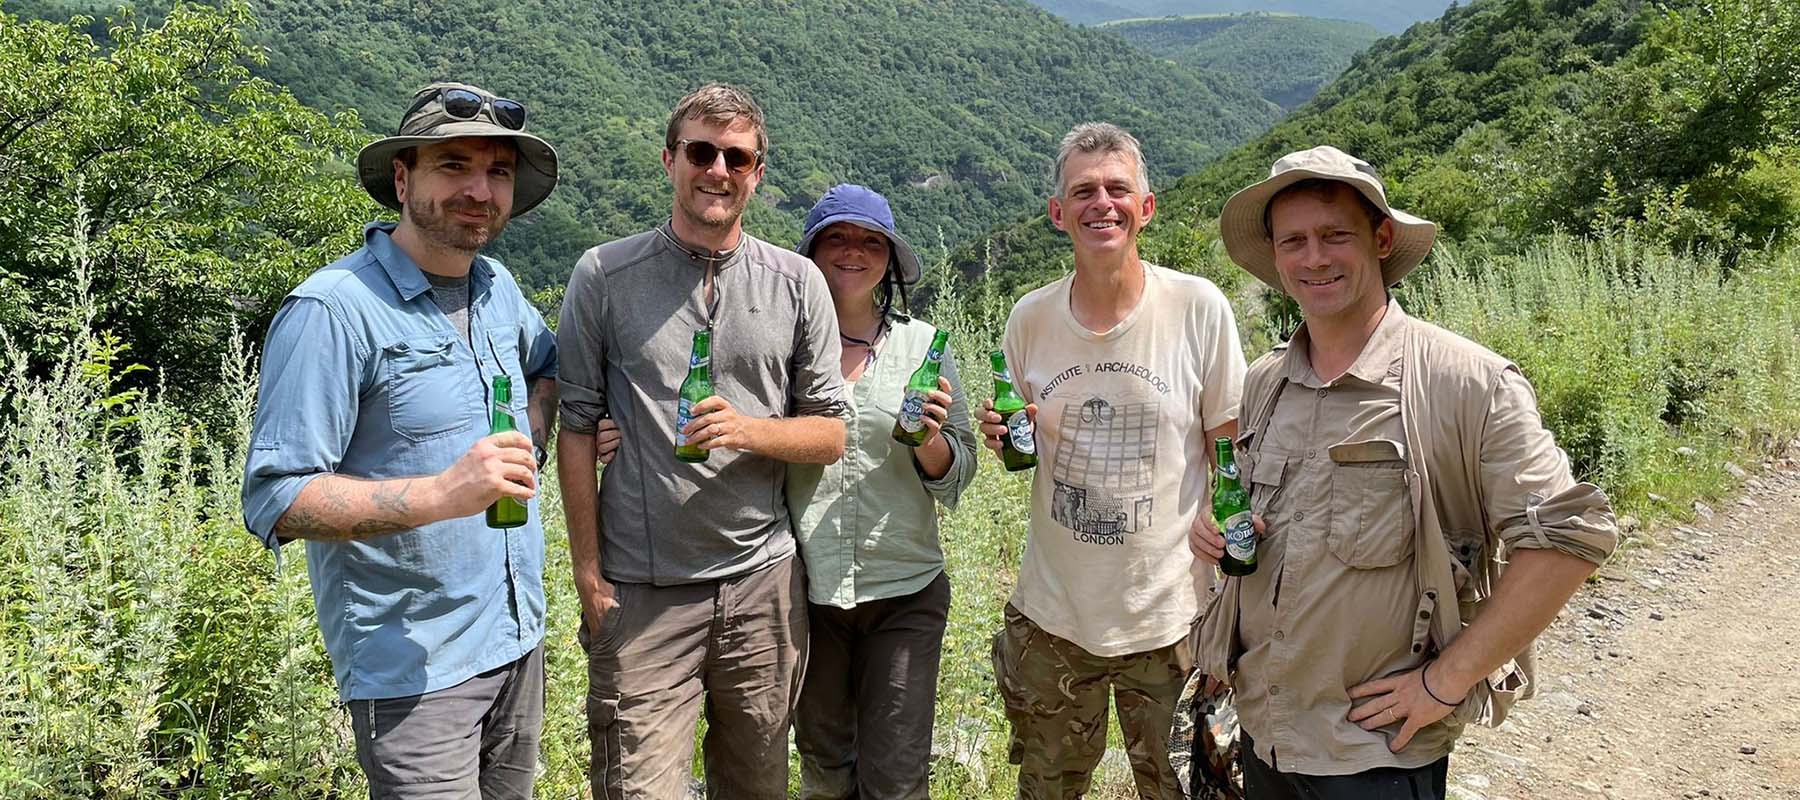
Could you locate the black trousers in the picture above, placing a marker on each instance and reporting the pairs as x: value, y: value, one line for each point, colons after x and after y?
x: 1264, y: 782
x: 863, y: 727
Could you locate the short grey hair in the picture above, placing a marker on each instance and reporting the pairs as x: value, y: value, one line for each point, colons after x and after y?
x: 1099, y: 137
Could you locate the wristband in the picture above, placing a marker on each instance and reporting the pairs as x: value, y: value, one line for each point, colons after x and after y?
x: 1427, y: 685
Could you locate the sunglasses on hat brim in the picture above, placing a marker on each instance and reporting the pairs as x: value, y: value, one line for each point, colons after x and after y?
x: 464, y: 104
x: 702, y: 154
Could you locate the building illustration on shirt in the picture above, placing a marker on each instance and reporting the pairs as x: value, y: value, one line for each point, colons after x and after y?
x: 1104, y: 469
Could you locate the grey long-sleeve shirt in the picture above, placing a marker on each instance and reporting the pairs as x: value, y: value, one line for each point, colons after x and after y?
x: 628, y: 321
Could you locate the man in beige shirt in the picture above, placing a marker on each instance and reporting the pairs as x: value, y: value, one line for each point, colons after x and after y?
x: 1391, y: 463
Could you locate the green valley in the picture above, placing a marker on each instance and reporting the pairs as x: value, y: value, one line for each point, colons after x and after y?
x: 951, y: 107
x: 1391, y: 16
x: 1507, y: 119
x: 1285, y: 58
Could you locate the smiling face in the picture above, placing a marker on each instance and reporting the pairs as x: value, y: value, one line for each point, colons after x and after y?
x: 1328, y: 255
x: 458, y: 193
x: 853, y: 258
x: 1101, y: 204
x: 712, y: 196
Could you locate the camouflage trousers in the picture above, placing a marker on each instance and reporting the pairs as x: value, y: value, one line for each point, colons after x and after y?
x: 1056, y: 697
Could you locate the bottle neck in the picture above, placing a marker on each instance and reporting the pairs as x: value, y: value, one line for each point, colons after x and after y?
x: 700, y: 357
x: 1226, y: 469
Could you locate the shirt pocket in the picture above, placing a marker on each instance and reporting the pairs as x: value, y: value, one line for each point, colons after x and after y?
x: 1262, y: 471
x: 1372, y: 520
x: 430, y: 386
x: 503, y: 347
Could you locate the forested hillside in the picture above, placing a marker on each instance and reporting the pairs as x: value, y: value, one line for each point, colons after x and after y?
x: 1507, y: 119
x: 951, y: 107
x: 1391, y: 16
x: 1617, y: 182
x: 1285, y: 58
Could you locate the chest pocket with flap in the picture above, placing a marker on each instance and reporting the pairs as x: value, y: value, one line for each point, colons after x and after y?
x: 1372, y: 519
x: 431, y: 387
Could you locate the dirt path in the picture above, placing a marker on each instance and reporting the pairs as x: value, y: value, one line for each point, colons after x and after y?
x: 1673, y: 676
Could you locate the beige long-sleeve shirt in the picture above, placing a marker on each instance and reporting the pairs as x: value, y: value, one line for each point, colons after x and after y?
x: 1337, y: 599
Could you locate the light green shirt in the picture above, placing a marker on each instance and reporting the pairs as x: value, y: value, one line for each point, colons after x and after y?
x: 867, y: 525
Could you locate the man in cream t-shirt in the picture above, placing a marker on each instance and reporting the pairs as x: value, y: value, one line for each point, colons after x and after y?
x: 1130, y: 370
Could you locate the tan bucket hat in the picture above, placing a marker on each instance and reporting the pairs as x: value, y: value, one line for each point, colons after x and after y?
x: 428, y: 121
x: 1244, y: 228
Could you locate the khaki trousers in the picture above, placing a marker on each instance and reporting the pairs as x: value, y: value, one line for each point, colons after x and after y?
x: 735, y: 646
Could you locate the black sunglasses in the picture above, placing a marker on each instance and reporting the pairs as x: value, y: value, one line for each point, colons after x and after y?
x: 702, y: 153
x: 464, y: 104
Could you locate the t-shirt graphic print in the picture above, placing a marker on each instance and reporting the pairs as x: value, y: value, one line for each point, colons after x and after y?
x: 1104, y: 469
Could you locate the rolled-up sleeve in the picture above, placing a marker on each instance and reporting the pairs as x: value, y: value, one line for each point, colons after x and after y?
x: 581, y: 348
x: 959, y: 434
x: 306, y: 408
x: 537, y: 343
x: 1532, y: 499
x: 816, y: 387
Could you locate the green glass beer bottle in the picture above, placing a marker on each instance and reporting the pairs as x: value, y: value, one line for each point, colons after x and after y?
x: 505, y: 512
x: 909, y: 424
x: 698, y: 386
x: 1231, y: 510
x: 1018, y: 448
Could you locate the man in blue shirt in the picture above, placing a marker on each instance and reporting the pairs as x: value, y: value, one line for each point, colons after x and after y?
x: 371, y: 443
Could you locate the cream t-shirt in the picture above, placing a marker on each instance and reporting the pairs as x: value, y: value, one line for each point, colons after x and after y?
x: 1122, y: 457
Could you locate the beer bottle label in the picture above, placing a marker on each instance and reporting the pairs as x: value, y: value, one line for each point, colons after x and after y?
x: 684, y: 413
x: 1018, y: 428
x: 1240, y: 537
x: 1229, y: 470
x: 912, y: 411
x: 697, y: 360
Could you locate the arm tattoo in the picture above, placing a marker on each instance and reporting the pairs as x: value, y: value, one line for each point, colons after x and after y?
x: 303, y: 523
x: 391, y: 497
x: 342, y: 510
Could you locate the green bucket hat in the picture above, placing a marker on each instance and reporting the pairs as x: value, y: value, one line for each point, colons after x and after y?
x: 429, y: 121
x: 1242, y: 224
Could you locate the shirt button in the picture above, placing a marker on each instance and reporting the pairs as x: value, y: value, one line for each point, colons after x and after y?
x: 1424, y: 615
x: 1278, y: 636
x: 1321, y: 392
x: 1299, y: 515
x: 1311, y: 453
x: 1274, y: 690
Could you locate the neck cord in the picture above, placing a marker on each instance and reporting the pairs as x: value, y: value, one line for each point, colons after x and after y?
x: 868, y: 343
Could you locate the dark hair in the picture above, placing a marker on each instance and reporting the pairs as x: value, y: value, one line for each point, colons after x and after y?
x: 720, y: 104
x: 1324, y: 189
x: 891, y: 287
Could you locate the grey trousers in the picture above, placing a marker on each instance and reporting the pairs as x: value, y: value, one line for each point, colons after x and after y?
x: 864, y: 723
x: 739, y: 643
x: 477, y: 740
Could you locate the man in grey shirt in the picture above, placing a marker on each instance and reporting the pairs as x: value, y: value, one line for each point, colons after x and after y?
x: 693, y: 587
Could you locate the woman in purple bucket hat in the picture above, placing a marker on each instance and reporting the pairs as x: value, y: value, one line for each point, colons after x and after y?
x: 867, y: 525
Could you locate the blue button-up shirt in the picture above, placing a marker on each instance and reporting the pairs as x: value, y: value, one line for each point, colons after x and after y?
x: 364, y: 376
